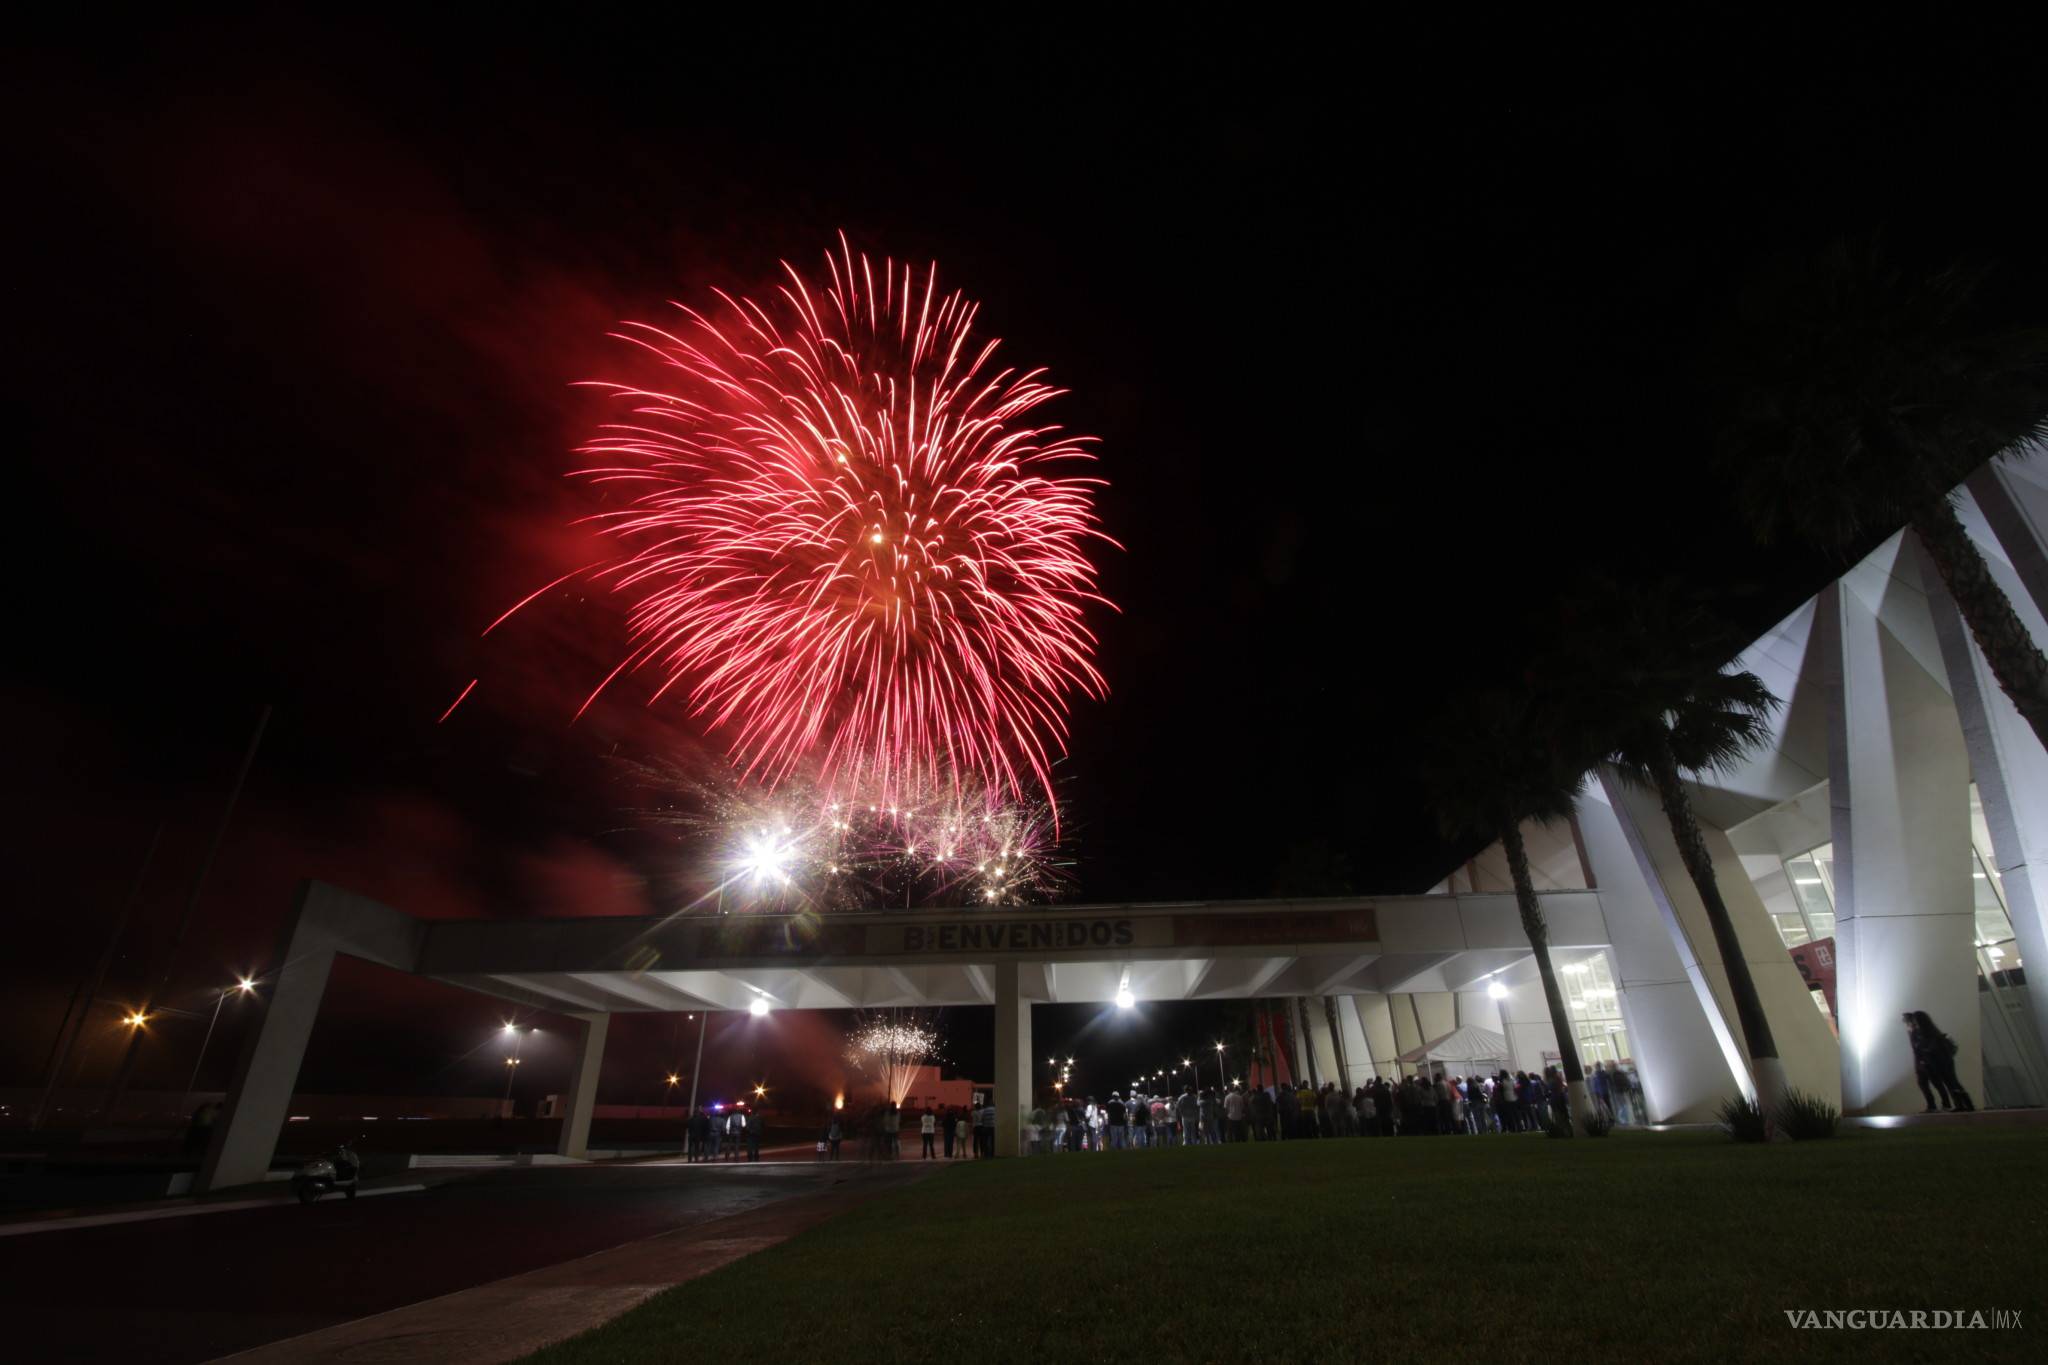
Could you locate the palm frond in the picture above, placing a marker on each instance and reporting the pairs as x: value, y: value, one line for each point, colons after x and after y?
x: 1721, y: 721
x: 1859, y: 391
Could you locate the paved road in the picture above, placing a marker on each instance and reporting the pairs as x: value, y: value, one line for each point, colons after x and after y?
x: 189, y: 1289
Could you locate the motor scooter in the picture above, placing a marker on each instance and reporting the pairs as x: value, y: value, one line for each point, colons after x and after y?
x: 336, y: 1170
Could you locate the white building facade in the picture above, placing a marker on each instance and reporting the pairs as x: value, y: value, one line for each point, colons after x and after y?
x: 1883, y: 853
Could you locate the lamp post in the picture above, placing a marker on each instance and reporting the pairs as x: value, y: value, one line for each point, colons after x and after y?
x: 244, y: 986
x: 1222, y: 1081
x: 512, y: 1062
x: 698, y: 1069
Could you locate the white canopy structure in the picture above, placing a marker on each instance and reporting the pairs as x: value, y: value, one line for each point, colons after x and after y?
x: 1468, y: 1044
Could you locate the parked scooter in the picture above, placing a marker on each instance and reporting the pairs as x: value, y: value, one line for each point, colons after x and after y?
x: 337, y: 1170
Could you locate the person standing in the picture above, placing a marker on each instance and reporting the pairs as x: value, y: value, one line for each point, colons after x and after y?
x: 1934, y: 1062
x: 1184, y: 1111
x: 835, y: 1133
x: 700, y: 1135
x: 928, y: 1128
x: 985, y: 1129
x: 754, y: 1135
x: 1235, y: 1109
x: 961, y: 1128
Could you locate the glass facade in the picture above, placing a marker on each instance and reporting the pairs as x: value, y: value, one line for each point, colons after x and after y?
x: 1594, y: 1005
x: 1812, y: 875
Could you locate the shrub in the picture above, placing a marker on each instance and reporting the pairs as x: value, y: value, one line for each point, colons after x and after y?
x: 1803, y: 1116
x: 1742, y: 1120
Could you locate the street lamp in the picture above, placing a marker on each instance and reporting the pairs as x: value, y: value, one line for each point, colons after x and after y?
x: 243, y: 986
x: 512, y: 1062
x: 1222, y: 1081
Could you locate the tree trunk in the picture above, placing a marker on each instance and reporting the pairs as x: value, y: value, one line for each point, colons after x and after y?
x: 1539, y: 943
x: 2016, y: 661
x: 1699, y: 864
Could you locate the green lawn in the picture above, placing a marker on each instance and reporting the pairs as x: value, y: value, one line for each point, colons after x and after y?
x: 1640, y: 1246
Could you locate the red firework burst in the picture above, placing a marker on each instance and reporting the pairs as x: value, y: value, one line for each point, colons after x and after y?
x: 845, y: 538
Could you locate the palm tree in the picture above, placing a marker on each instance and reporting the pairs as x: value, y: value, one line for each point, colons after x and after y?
x: 1712, y: 724
x: 1495, y: 765
x: 1643, y: 660
x: 1862, y: 396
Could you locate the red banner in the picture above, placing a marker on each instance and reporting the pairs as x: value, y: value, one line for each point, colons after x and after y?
x: 1816, y: 962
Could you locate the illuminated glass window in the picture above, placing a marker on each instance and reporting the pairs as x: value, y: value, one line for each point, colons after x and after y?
x: 1594, y: 1005
x: 1812, y: 876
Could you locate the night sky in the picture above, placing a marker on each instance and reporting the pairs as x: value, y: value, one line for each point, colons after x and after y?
x: 1388, y: 336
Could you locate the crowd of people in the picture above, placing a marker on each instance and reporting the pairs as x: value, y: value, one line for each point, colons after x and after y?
x: 721, y: 1134
x: 1436, y: 1104
x: 948, y: 1134
x: 1439, y: 1104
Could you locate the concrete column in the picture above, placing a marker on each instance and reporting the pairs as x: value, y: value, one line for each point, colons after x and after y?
x: 326, y: 920
x: 1376, y: 1017
x: 1688, y: 1062
x: 2006, y: 758
x: 254, y: 1112
x: 1013, y: 1058
x: 575, y: 1138
x: 1898, y: 793
x: 2012, y: 496
x: 1333, y: 1024
x: 1358, y: 1051
x: 1323, y: 1054
x: 1406, y: 1021
x: 1311, y: 1071
x: 1805, y: 1045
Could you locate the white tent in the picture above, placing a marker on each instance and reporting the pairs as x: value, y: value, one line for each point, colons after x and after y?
x: 1467, y: 1044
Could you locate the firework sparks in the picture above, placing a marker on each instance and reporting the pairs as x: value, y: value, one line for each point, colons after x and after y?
x: 892, y: 1049
x: 958, y: 846
x: 846, y: 540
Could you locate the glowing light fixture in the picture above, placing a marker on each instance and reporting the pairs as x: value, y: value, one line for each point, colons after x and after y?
x: 759, y: 1006
x: 1496, y: 991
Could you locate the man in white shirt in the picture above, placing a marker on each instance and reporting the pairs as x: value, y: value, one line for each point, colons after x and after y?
x: 1234, y: 1116
x: 928, y: 1128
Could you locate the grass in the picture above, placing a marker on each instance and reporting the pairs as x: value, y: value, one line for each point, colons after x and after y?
x: 1681, y: 1246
